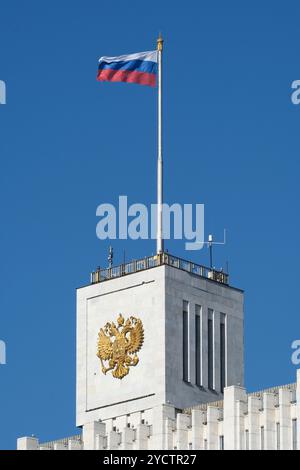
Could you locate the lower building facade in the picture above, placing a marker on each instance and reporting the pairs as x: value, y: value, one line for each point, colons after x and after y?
x: 160, y: 366
x: 266, y: 420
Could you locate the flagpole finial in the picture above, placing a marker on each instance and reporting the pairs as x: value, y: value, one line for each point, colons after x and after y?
x: 160, y: 42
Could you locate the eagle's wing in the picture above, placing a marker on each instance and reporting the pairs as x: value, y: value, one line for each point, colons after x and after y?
x: 104, y: 346
x: 136, y: 337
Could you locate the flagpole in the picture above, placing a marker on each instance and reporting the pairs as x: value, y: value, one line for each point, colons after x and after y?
x: 159, y: 240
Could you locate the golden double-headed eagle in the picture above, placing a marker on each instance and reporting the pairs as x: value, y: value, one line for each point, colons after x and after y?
x: 119, y: 344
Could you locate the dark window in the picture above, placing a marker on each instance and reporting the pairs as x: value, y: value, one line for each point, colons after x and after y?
x: 185, y: 343
x: 278, y: 435
x: 198, y: 348
x: 210, y: 355
x: 294, y: 432
x: 262, y: 438
x: 221, y: 442
x: 222, y: 356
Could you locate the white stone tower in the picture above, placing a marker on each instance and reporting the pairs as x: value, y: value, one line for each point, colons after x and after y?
x: 193, y: 344
x: 171, y: 340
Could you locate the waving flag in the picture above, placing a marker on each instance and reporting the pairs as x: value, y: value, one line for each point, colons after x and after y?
x: 140, y: 68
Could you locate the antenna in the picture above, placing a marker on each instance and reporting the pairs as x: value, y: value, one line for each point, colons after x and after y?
x: 210, y: 246
x: 227, y: 267
x: 110, y: 257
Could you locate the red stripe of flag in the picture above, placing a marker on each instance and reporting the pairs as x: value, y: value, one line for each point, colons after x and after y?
x: 129, y: 76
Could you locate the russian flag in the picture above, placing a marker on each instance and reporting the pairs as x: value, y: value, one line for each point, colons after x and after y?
x: 140, y: 68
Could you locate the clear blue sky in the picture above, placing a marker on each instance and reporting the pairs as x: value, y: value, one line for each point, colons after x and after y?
x: 68, y: 143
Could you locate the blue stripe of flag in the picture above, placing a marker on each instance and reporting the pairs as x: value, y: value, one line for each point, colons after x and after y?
x: 137, y: 65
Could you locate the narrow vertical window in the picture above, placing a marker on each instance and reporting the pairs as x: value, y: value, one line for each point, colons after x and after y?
x: 278, y: 436
x: 221, y: 443
x: 185, y: 342
x: 262, y: 438
x: 294, y: 433
x: 223, y: 352
x: 198, y: 358
x: 210, y: 353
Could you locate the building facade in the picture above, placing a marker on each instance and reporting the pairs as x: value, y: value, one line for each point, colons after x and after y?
x: 160, y: 365
x: 267, y: 420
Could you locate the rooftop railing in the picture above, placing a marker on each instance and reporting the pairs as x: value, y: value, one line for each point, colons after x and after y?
x: 260, y: 394
x: 135, y: 266
x: 50, y: 445
x: 291, y: 387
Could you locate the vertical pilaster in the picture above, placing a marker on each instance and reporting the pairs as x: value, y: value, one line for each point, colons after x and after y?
x: 285, y: 419
x: 182, y: 427
x: 269, y: 421
x: 198, y: 419
x: 231, y: 396
x: 90, y: 430
x: 127, y: 439
x: 160, y: 414
x: 142, y: 432
x: 254, y: 404
x: 240, y: 424
x: 113, y: 440
x: 212, y: 428
x: 169, y: 427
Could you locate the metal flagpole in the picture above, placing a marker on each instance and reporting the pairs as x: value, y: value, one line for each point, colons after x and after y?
x: 159, y: 240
